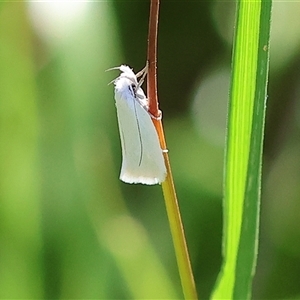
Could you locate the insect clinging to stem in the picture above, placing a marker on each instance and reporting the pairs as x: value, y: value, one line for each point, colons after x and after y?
x: 142, y: 156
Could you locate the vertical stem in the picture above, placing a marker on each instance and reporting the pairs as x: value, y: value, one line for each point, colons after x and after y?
x: 152, y: 58
x: 176, y: 227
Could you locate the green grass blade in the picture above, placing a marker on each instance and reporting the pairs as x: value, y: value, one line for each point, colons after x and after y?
x: 244, y: 148
x: 247, y: 253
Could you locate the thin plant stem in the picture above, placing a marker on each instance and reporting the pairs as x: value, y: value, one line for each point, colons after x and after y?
x: 176, y: 227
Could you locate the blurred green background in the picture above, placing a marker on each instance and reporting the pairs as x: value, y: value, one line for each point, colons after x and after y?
x: 68, y: 227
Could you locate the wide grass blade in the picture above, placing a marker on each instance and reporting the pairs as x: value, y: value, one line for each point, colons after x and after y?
x: 244, y: 149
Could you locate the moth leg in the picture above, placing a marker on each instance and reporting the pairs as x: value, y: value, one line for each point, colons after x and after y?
x: 143, y: 71
x: 156, y: 118
x: 142, y: 74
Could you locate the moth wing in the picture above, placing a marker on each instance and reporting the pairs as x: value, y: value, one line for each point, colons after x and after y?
x: 143, y: 160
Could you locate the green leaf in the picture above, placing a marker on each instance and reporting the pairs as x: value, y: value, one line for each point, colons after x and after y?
x: 244, y: 149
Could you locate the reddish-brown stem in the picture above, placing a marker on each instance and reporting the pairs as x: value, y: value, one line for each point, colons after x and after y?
x: 152, y: 58
x: 181, y: 251
x: 152, y: 67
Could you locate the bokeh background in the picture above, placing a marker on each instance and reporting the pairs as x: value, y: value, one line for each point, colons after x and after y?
x: 68, y: 227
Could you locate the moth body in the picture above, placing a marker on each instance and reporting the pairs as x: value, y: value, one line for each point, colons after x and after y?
x: 142, y: 156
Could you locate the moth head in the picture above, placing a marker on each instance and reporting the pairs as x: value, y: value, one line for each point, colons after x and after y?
x: 126, y: 72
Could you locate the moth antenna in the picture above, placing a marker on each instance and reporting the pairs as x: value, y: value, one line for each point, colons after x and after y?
x: 113, y: 81
x: 113, y: 68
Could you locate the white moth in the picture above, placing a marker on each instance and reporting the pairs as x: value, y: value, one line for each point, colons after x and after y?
x: 143, y: 160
